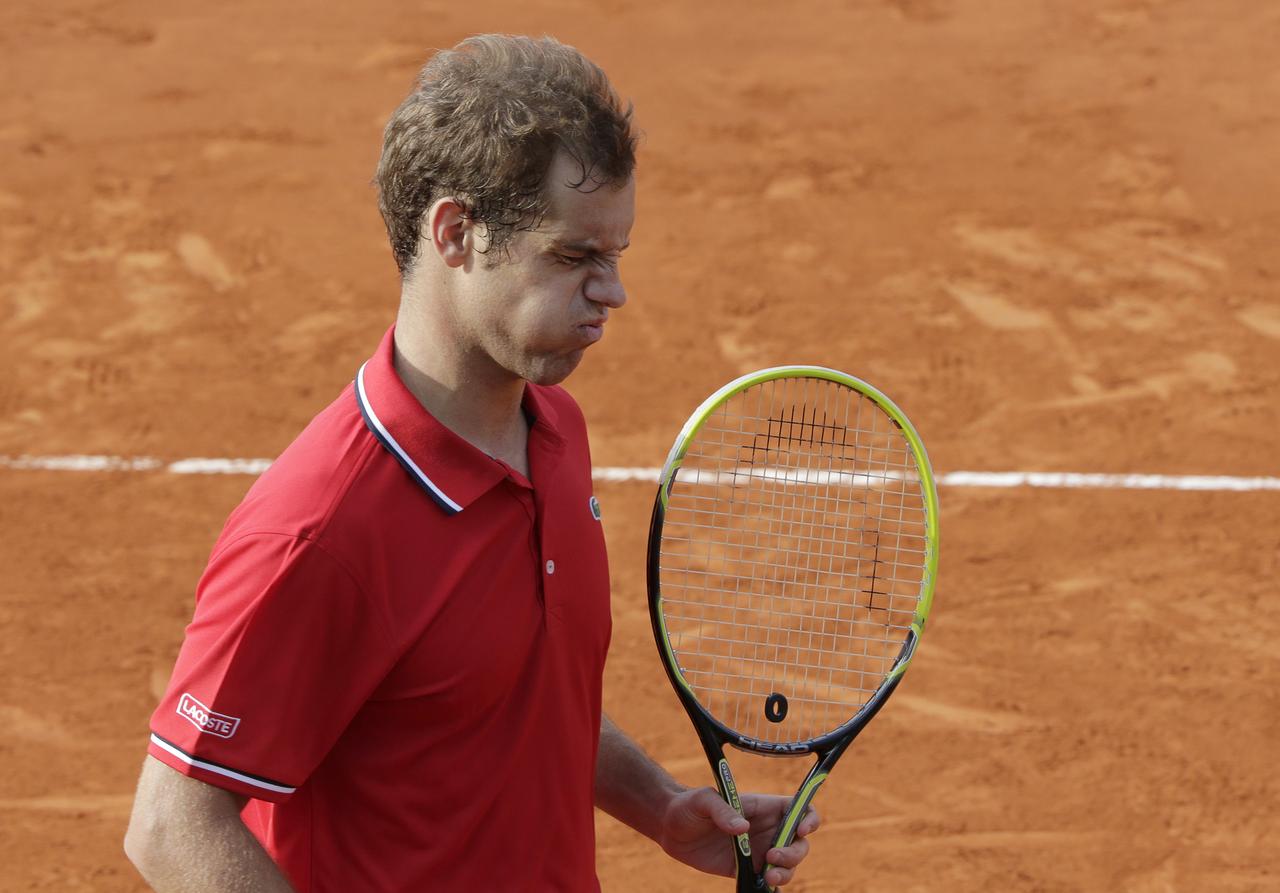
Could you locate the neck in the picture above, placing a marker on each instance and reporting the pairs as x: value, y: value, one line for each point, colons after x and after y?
x: 463, y: 388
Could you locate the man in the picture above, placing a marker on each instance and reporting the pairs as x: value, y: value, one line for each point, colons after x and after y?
x: 392, y: 679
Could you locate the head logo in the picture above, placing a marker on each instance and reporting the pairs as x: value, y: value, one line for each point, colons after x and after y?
x: 205, y: 719
x: 595, y: 508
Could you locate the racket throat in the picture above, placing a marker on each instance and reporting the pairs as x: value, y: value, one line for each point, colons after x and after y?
x: 798, y: 807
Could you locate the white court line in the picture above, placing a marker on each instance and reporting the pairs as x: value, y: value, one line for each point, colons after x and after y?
x: 134, y: 463
x: 998, y: 479
x: 80, y: 463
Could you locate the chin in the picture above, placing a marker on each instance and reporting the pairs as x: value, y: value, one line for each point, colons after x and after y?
x: 549, y: 371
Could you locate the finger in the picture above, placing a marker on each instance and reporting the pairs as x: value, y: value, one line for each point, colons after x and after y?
x: 809, y: 823
x: 722, y: 815
x: 777, y: 877
x: 768, y: 807
x: 788, y: 856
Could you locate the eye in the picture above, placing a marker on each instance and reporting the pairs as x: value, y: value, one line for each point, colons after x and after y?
x: 569, y: 260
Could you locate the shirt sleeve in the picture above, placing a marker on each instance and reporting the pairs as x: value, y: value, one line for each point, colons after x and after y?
x: 284, y: 649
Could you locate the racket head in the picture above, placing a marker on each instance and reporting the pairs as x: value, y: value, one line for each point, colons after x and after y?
x: 792, y: 558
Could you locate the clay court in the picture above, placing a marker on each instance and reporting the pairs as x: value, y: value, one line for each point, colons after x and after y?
x: 1048, y: 230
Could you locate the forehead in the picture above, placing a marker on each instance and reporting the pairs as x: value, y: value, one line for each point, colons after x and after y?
x: 598, y: 215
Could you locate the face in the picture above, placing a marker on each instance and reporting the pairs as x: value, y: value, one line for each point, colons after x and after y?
x: 536, y: 310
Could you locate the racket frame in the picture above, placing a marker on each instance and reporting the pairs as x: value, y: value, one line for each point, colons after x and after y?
x: 713, y: 734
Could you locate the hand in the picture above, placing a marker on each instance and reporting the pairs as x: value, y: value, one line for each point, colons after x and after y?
x: 698, y: 826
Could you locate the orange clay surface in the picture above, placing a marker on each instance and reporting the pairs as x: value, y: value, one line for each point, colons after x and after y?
x: 1047, y: 229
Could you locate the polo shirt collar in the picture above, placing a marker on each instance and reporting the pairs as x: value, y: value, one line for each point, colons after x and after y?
x: 449, y: 469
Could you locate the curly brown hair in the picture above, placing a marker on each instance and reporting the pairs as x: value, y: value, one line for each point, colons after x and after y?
x: 483, y: 124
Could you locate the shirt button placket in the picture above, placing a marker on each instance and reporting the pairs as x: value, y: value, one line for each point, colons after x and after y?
x: 548, y: 589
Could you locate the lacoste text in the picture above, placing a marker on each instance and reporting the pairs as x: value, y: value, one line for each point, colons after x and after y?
x: 205, y: 719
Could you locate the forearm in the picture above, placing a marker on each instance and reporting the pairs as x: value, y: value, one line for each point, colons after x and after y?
x: 630, y: 786
x: 222, y: 858
x: 206, y: 849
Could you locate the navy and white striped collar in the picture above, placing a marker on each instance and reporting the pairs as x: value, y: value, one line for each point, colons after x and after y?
x: 379, y: 430
x: 449, y: 469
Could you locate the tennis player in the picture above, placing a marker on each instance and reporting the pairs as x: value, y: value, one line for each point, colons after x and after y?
x: 392, y: 680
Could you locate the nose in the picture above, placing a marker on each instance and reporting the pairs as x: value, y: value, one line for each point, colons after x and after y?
x: 605, y: 287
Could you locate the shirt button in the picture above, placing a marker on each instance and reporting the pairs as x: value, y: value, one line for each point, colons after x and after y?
x: 551, y: 566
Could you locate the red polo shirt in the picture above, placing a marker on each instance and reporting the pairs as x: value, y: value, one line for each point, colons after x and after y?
x: 397, y: 650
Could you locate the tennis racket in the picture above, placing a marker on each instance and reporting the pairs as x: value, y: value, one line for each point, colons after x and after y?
x: 792, y: 558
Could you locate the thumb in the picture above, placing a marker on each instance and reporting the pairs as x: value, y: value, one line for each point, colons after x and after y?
x: 722, y: 815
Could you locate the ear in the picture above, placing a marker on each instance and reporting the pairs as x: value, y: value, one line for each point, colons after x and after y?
x: 449, y: 231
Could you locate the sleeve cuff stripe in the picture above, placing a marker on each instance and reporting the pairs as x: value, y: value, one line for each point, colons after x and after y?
x: 219, y: 770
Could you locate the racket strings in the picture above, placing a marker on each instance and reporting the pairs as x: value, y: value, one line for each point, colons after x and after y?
x: 792, y: 556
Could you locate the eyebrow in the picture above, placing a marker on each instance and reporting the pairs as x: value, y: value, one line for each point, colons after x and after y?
x: 589, y: 246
